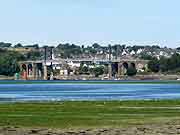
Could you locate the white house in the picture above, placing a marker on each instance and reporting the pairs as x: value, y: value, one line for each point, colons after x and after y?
x: 74, y: 64
x: 139, y: 51
x: 132, y: 52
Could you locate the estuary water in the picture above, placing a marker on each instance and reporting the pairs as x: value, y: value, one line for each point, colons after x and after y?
x: 86, y: 92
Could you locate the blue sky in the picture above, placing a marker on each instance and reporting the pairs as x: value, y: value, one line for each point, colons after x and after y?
x: 88, y: 21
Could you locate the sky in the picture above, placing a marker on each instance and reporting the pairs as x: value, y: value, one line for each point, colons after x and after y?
x: 49, y: 22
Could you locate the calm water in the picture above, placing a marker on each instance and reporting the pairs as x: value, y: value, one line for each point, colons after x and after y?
x: 59, y: 92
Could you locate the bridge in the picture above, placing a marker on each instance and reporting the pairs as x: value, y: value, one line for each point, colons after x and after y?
x: 38, y: 69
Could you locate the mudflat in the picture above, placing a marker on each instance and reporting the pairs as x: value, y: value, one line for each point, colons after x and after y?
x: 166, y: 129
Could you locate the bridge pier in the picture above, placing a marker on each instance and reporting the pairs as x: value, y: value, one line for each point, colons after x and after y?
x: 110, y: 71
x: 45, y: 72
x: 32, y: 70
x: 119, y: 69
x: 23, y: 69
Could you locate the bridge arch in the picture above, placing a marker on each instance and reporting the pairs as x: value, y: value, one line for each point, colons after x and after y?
x: 30, y: 68
x: 133, y: 65
x: 125, y: 65
x: 24, y: 68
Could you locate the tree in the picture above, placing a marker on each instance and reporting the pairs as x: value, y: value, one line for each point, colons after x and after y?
x: 96, y: 46
x: 154, y: 65
x: 146, y: 57
x: 3, y: 45
x: 33, y: 55
x: 69, y: 51
x: 175, y: 61
x: 35, y: 46
x: 137, y: 47
x: 18, y: 45
x: 9, y: 62
x: 98, y: 71
x: 83, y: 69
x: 131, y: 71
x: 163, y: 64
x: 92, y: 51
x: 156, y: 47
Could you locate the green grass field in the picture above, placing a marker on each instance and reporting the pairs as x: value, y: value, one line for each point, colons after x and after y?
x: 89, y: 114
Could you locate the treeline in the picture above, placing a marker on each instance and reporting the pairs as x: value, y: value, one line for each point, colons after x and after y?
x: 95, y: 45
x: 163, y: 64
x: 68, y: 50
x: 72, y: 50
x: 19, y: 45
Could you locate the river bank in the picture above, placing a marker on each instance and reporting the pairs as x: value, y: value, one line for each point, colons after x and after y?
x: 90, y: 82
x: 2, y: 77
x: 87, y: 77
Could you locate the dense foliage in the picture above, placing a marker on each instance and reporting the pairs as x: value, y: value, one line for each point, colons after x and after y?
x: 34, y: 55
x: 165, y: 64
x: 9, y: 62
x: 5, y: 45
x: 154, y: 65
x: 98, y: 71
x: 131, y: 71
x: 68, y: 50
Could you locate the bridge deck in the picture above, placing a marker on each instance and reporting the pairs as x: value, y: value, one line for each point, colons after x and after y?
x: 85, y: 60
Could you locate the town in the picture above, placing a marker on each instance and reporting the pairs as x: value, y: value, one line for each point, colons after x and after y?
x: 82, y: 62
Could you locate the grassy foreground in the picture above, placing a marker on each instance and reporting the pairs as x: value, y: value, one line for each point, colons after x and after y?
x: 89, y: 114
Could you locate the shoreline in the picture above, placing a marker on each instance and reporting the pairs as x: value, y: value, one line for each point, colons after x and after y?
x: 90, y: 82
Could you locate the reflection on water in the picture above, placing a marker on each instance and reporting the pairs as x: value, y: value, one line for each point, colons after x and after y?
x: 59, y: 92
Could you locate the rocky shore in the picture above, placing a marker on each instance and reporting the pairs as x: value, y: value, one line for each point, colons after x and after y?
x: 133, y: 130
